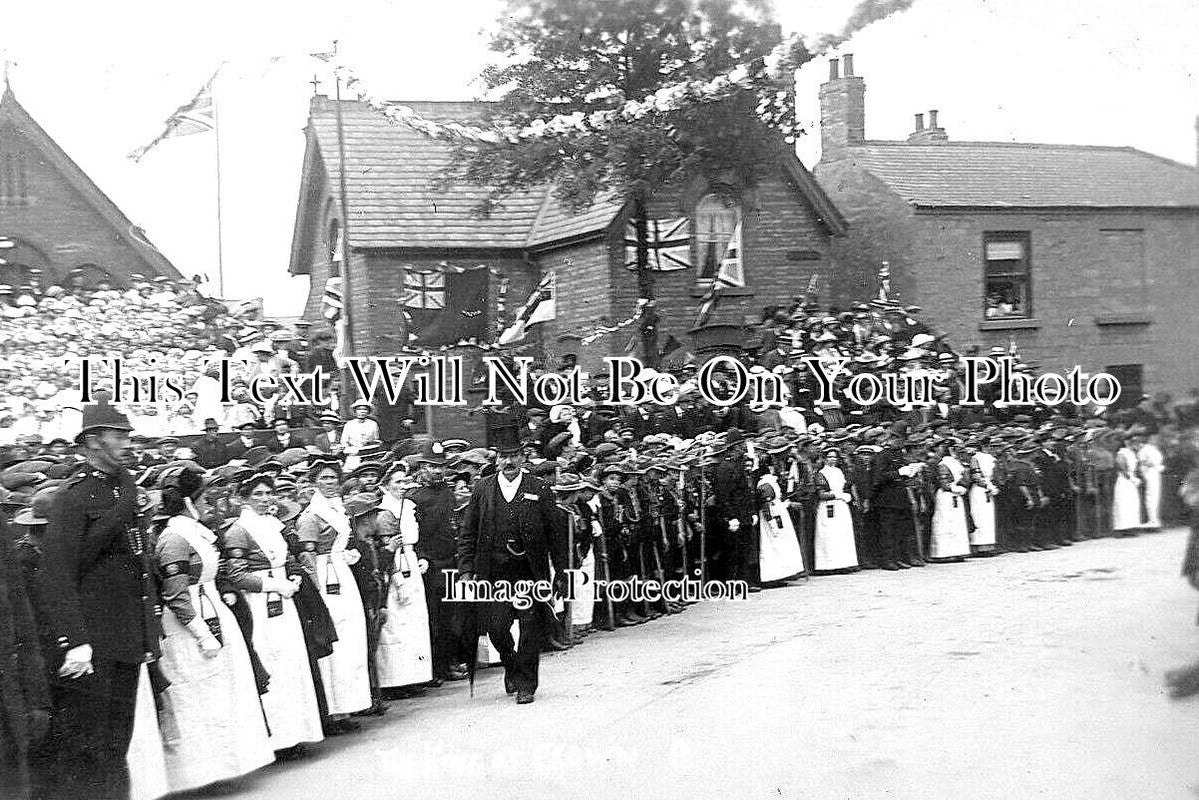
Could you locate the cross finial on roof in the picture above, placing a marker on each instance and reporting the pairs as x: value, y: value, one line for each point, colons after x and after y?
x: 316, y: 84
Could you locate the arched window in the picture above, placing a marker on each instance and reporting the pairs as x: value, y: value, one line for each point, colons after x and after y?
x: 335, y: 249
x: 718, y: 235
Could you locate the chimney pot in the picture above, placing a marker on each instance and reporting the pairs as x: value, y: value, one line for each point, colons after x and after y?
x: 919, y: 122
x: 832, y: 69
x: 848, y: 63
x: 932, y: 119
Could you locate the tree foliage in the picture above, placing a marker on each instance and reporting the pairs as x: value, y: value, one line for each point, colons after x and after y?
x: 580, y: 56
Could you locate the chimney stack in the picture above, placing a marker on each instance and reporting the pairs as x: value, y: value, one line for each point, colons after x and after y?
x: 933, y: 134
x: 842, y: 110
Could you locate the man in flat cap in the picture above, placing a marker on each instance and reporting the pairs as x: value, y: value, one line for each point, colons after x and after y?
x: 100, y: 614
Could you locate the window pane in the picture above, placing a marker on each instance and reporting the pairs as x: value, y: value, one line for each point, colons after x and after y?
x: 1006, y: 297
x: 997, y: 251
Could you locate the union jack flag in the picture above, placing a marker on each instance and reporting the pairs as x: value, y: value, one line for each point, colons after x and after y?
x: 424, y: 289
x: 669, y: 244
x: 197, y: 116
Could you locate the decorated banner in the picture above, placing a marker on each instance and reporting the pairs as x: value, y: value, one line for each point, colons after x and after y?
x: 732, y: 274
x: 669, y: 243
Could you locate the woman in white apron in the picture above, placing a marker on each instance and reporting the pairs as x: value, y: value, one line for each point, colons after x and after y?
x: 949, y: 540
x: 404, y: 655
x: 323, y: 534
x: 256, y: 562
x: 1126, y: 494
x: 1149, y: 467
x: 779, y: 556
x: 982, y: 502
x: 835, y: 549
x: 211, y: 721
x: 146, y: 760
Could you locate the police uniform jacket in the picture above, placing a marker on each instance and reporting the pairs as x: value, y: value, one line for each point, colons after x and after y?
x: 97, y: 569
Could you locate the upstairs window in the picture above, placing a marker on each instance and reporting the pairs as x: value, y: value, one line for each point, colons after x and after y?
x: 1007, y: 275
x: 718, y: 237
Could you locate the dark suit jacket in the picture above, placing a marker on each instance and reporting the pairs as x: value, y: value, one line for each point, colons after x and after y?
x: 211, y: 454
x: 537, y: 520
x: 236, y: 449
x: 275, y: 446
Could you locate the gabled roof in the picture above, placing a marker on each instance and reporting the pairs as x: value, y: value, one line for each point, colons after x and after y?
x: 12, y: 112
x: 1014, y: 175
x: 390, y: 174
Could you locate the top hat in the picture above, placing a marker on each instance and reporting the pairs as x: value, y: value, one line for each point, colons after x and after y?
x: 507, y: 441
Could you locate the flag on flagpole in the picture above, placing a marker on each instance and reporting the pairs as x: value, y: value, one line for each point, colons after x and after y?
x: 669, y: 244
x: 196, y: 116
x: 540, y: 307
x: 731, y: 274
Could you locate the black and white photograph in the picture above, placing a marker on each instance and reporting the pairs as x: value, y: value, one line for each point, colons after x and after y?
x: 599, y: 399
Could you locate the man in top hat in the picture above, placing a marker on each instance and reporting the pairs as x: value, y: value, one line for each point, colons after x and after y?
x: 100, y: 613
x: 509, y: 533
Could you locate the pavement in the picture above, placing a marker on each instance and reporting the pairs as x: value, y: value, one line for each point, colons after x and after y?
x: 1036, y: 675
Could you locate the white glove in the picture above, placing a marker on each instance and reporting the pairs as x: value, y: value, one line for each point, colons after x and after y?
x: 734, y: 524
x: 208, y: 643
x: 351, y: 557
x: 77, y: 662
x: 281, y: 586
x: 423, y: 565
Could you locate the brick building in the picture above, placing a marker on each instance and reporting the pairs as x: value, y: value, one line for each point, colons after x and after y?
x: 53, y: 218
x: 1081, y: 255
x: 410, y: 239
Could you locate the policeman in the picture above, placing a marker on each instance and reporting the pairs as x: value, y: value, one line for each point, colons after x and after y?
x: 100, y: 612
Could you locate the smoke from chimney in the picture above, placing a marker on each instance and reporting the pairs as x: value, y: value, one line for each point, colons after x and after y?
x: 865, y: 13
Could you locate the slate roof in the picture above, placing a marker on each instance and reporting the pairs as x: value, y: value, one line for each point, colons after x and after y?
x: 390, y: 170
x: 1014, y: 175
x: 389, y: 173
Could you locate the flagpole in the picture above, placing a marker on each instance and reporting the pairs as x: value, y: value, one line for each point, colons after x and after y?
x: 346, y: 295
x: 220, y: 238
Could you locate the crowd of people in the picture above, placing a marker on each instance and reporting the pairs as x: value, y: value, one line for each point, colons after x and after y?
x: 293, y: 583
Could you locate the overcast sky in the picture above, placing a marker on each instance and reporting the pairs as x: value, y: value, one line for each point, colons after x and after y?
x: 101, y: 78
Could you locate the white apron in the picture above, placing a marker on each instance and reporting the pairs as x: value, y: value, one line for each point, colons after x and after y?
x: 146, y: 760
x: 404, y: 653
x: 344, y: 671
x: 982, y: 506
x: 949, y: 538
x: 1126, y: 496
x: 1149, y: 459
x: 582, y: 612
x: 778, y: 555
x: 212, y: 723
x: 290, y: 702
x: 834, y: 546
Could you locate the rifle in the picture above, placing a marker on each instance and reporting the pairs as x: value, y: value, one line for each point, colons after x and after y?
x: 681, y: 523
x: 703, y: 528
x: 567, y: 603
x: 659, y: 571
x: 601, y: 552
